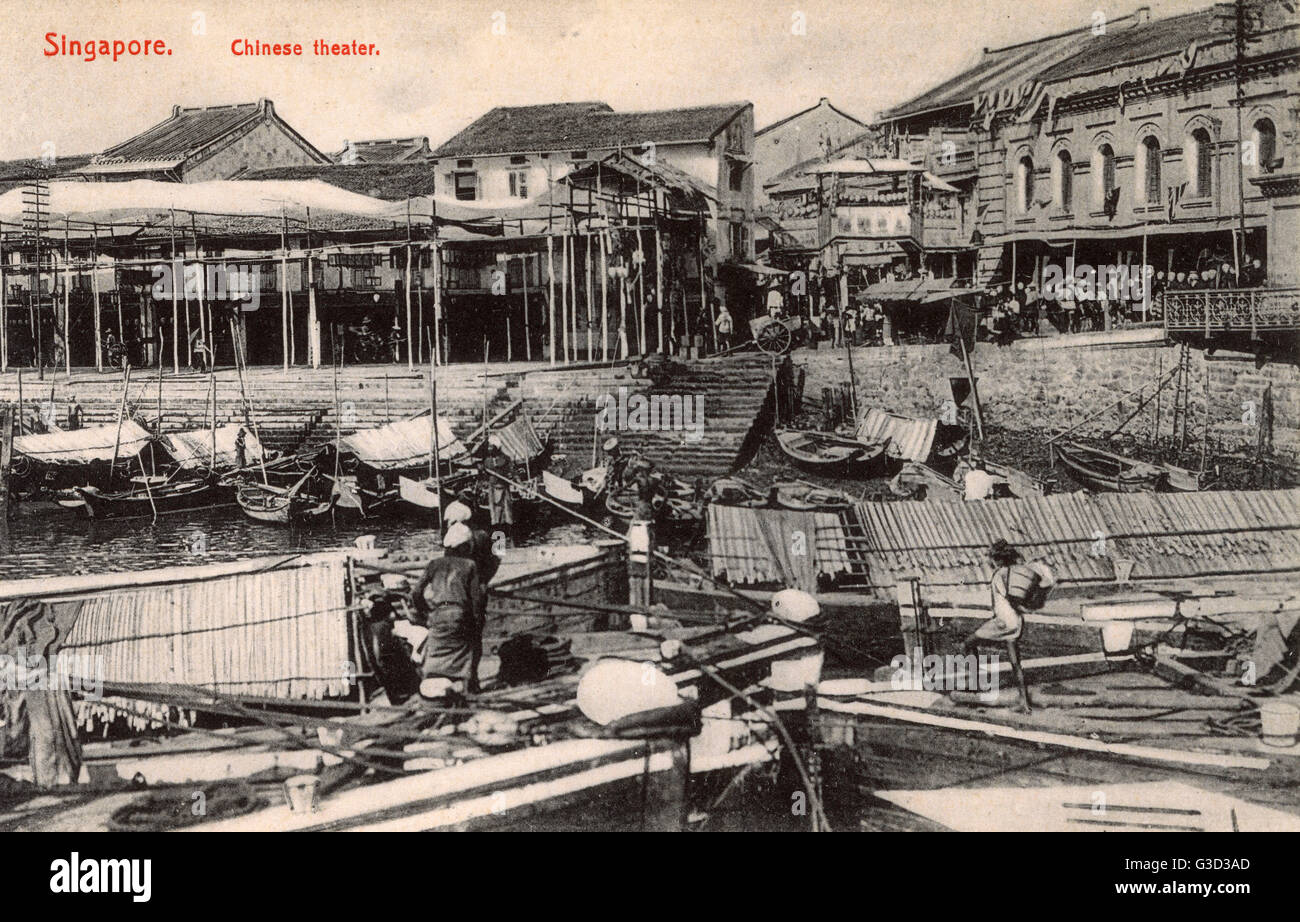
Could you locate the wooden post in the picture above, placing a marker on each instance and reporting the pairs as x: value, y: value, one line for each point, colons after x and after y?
x: 94, y: 285
x: 176, y: 309
x: 436, y: 344
x: 604, y: 301
x: 550, y: 294
x: 284, y: 288
x: 659, y: 294
x: 67, y: 304
x: 640, y: 294
x: 410, y: 329
x: 434, y: 461
x: 564, y: 292
x: 587, y: 271
x: 974, y: 392
x: 6, y: 457
x: 121, y: 414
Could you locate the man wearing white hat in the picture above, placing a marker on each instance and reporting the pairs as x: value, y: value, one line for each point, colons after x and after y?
x: 481, y: 552
x: 452, y: 600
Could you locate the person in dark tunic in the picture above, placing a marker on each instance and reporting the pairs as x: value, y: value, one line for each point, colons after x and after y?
x: 451, y: 598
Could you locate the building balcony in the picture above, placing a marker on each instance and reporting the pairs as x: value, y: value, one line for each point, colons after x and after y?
x: 1232, y: 310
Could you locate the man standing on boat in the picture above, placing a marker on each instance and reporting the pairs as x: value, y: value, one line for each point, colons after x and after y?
x: 1008, y: 622
x: 480, y: 541
x: 451, y: 598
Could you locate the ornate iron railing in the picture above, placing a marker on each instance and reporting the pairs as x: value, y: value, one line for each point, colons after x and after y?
x: 1232, y: 310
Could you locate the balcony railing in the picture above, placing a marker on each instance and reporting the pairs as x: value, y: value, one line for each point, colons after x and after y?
x: 1232, y: 310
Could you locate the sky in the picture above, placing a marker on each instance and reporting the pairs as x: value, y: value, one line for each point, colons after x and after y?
x: 442, y: 64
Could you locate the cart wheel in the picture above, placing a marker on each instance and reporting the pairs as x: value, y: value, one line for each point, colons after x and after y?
x: 774, y: 339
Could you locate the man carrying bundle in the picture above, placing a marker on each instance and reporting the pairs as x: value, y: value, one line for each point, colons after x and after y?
x: 453, y: 602
x: 1014, y: 588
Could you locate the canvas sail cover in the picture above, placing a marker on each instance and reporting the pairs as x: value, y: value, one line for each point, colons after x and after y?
x: 82, y: 446
x: 401, y: 444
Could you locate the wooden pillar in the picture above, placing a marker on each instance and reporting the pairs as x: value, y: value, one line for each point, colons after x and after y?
x: 284, y: 291
x: 659, y: 292
x: 550, y: 297
x: 437, y: 303
x: 410, y: 328
x: 564, y: 292
x: 604, y: 300
x: 587, y: 273
x: 94, y: 285
x: 640, y: 293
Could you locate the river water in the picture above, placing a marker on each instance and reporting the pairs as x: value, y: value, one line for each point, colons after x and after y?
x: 49, y: 541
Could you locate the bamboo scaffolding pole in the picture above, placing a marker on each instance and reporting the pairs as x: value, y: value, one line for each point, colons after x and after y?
x: 587, y: 273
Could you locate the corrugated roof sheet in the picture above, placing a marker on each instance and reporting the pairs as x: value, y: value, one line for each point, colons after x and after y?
x: 582, y: 126
x: 401, y: 444
x: 1167, y: 535
x: 748, y: 545
x: 193, y: 449
x: 81, y: 446
x: 909, y: 439
x: 518, y: 441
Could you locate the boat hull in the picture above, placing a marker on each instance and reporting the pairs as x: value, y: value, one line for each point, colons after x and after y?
x: 157, y: 501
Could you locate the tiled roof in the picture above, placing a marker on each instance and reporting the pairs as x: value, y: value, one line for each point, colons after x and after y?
x: 187, y: 130
x: 14, y: 173
x: 387, y: 150
x: 1010, y: 67
x: 388, y: 181
x: 1140, y: 43
x: 789, y: 118
x: 582, y: 126
x: 190, y: 130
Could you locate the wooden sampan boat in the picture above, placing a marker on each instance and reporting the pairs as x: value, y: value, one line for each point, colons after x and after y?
x: 150, y: 500
x: 829, y: 454
x: 281, y: 506
x: 1103, y: 470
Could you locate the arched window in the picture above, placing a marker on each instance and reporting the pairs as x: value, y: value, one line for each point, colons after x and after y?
x: 1104, y: 170
x: 1203, y: 160
x: 1064, y: 179
x: 1025, y: 182
x: 1151, y: 169
x: 1265, y: 145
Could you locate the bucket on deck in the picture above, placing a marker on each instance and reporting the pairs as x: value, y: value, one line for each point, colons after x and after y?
x: 1279, y: 722
x: 1116, y: 637
x: 300, y: 791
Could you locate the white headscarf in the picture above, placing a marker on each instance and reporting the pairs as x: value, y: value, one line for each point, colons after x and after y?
x: 457, y: 512
x: 457, y: 535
